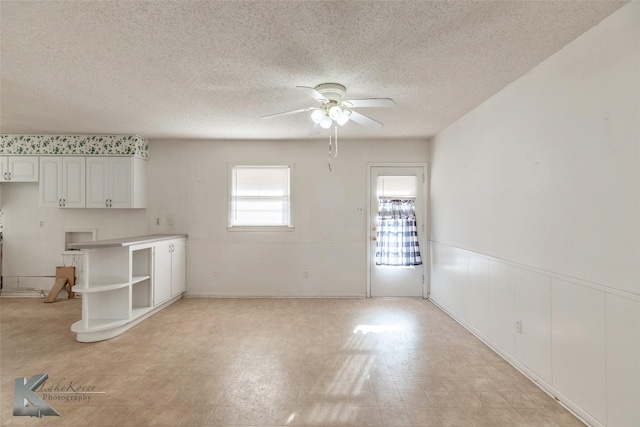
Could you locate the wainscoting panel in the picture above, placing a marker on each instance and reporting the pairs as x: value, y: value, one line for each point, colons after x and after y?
x: 577, y: 340
x: 623, y: 361
x: 578, y: 345
x: 502, y: 320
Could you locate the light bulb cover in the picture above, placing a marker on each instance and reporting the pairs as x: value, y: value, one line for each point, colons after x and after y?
x: 317, y: 116
x: 326, y: 122
x: 344, y: 117
x: 335, y: 112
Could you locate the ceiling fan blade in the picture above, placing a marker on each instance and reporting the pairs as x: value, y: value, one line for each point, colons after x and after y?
x: 364, y: 120
x: 301, y: 110
x: 370, y: 102
x: 314, y: 93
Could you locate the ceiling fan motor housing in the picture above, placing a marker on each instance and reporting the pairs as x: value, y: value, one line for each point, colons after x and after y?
x: 332, y: 91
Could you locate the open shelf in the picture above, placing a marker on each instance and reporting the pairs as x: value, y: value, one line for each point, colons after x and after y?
x: 141, y: 295
x: 138, y: 279
x: 140, y: 311
x: 100, y: 287
x: 120, y: 280
x: 97, y: 325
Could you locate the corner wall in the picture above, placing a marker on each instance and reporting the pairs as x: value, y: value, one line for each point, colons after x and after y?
x: 535, y: 201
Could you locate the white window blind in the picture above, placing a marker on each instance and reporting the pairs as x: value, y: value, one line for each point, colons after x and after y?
x: 260, y: 196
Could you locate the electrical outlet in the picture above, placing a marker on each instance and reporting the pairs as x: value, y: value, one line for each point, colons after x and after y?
x: 41, y: 224
x: 305, y: 274
x: 359, y: 210
x: 519, y: 326
x: 171, y: 218
x: 157, y: 221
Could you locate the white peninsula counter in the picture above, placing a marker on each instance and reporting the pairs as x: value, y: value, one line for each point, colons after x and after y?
x: 127, y: 280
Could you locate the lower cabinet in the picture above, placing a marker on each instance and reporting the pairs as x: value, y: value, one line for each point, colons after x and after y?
x: 162, y: 272
x: 127, y: 280
x: 169, y: 269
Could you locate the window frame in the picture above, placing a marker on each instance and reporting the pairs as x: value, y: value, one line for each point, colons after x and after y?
x: 230, y: 170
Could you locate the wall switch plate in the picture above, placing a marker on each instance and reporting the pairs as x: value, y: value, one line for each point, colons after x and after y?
x: 519, y: 326
x: 171, y: 218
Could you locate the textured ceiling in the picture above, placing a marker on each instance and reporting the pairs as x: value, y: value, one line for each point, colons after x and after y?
x: 211, y: 69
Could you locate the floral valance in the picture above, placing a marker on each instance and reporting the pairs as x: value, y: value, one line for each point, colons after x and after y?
x: 105, y: 145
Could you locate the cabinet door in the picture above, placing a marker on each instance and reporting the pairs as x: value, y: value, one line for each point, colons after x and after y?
x: 4, y: 163
x: 120, y: 182
x: 51, y: 182
x: 97, y: 190
x: 73, y: 182
x: 161, y: 272
x: 178, y: 270
x: 23, y: 168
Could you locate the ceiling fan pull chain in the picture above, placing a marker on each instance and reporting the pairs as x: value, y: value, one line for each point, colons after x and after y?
x: 336, y: 138
x: 330, y: 153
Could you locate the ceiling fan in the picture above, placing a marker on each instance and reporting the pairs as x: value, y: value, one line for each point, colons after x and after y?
x: 334, y: 109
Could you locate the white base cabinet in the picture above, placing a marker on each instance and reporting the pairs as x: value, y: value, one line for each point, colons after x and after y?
x: 127, y: 280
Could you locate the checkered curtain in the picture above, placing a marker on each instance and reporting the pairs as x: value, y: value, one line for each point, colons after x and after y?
x: 397, y: 233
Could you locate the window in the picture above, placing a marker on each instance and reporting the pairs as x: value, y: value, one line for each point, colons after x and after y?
x: 260, y: 196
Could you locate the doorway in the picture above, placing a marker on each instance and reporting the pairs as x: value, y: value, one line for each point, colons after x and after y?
x: 397, y: 254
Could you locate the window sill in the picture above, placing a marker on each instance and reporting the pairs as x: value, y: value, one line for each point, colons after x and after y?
x: 260, y: 228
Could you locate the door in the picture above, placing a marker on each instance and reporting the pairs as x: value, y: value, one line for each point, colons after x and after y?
x: 73, y: 181
x: 23, y: 168
x: 4, y: 168
x: 178, y: 272
x: 97, y: 182
x: 120, y: 182
x: 396, y: 223
x: 161, y: 272
x: 50, y: 182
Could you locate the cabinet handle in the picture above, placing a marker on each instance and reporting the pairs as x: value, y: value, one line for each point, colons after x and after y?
x: 60, y: 202
x: 110, y: 203
x: 7, y: 176
x: 106, y: 202
x: 64, y: 203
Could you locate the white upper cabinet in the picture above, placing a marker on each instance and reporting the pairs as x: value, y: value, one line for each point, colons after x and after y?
x: 116, y: 182
x: 62, y: 182
x: 18, y: 168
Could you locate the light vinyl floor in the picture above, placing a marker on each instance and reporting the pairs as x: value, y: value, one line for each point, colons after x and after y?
x: 269, y: 362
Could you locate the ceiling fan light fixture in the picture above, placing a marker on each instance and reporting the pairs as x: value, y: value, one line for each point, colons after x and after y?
x: 344, y: 117
x: 317, y: 116
x: 335, y: 112
x: 326, y: 122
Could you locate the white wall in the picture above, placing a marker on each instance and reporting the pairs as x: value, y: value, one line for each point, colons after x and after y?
x: 536, y: 217
x: 31, y: 252
x: 188, y: 180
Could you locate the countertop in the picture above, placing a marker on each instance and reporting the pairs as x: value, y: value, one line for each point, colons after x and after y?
x: 125, y: 241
